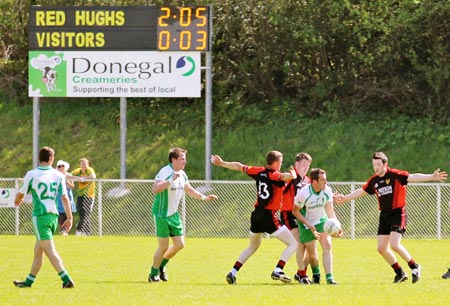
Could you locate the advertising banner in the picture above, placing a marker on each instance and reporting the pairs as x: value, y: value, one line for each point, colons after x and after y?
x: 114, y: 74
x: 7, y: 196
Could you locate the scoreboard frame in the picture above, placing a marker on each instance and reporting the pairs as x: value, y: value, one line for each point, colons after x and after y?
x: 120, y: 28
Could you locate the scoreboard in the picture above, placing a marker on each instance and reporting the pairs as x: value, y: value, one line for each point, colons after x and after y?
x: 120, y: 28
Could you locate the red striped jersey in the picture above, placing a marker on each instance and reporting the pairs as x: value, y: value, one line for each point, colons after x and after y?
x: 390, y: 189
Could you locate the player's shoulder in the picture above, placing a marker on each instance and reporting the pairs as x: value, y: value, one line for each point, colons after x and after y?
x: 395, y: 171
x: 373, y: 178
x: 164, y: 172
x: 58, y: 174
x: 183, y: 174
x: 76, y: 171
x: 253, y: 169
x: 305, y: 190
x: 328, y: 189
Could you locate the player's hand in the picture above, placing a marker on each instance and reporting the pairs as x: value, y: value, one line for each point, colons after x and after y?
x: 338, y: 198
x: 67, y: 225
x: 216, y: 160
x: 313, y: 230
x: 338, y: 234
x: 293, y: 172
x: 439, y: 175
x: 175, y: 175
x: 316, y: 235
x: 211, y: 197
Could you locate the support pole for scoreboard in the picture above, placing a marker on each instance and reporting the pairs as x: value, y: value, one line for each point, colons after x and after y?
x: 208, y: 103
x: 208, y: 115
x: 123, y: 138
x: 36, y: 112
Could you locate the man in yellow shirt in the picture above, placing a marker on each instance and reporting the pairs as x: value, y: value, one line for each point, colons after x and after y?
x: 86, y: 195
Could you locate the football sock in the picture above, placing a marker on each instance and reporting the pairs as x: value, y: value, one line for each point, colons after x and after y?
x: 280, y: 265
x: 412, y: 264
x: 29, y: 280
x: 398, y: 270
x: 154, y: 271
x: 64, y: 276
x: 316, y: 270
x: 301, y: 272
x: 164, y: 263
x: 237, y: 266
x: 329, y: 276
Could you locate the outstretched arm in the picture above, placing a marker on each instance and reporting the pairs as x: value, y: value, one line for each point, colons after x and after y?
x: 437, y: 175
x: 216, y: 160
x: 341, y: 199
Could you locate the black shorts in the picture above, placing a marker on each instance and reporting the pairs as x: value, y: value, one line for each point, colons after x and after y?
x: 392, y: 221
x: 288, y: 219
x: 264, y: 221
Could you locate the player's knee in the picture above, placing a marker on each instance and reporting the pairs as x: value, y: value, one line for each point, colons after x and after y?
x: 381, y: 250
x: 180, y: 245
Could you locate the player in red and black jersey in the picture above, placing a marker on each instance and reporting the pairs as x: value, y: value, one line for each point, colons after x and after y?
x: 301, y: 166
x: 269, y: 185
x: 389, y: 185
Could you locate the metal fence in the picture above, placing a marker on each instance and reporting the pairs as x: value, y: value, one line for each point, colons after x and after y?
x: 123, y: 207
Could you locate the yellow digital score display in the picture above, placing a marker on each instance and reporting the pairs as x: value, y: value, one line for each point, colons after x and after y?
x: 151, y: 28
x: 183, y: 29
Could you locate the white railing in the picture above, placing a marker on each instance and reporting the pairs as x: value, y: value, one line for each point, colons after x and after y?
x: 123, y: 207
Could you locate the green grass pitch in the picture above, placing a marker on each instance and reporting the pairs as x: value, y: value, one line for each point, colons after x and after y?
x: 113, y: 271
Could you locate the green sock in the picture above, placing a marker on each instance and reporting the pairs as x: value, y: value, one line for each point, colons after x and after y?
x: 329, y: 276
x: 164, y: 263
x: 29, y: 280
x: 154, y: 271
x: 64, y: 276
x: 316, y: 270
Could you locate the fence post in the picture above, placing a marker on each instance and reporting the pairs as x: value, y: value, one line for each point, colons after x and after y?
x: 100, y: 208
x: 438, y: 211
x: 352, y: 212
x: 16, y: 184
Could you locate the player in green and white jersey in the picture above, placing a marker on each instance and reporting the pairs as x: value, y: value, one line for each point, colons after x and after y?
x: 44, y: 183
x: 170, y: 184
x: 313, y: 206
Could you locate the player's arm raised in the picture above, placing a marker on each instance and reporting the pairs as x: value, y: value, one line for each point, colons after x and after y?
x: 437, y: 175
x: 291, y: 175
x: 216, y: 160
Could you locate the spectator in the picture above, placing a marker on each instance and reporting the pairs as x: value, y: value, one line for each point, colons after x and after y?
x: 85, y: 197
x: 63, y: 167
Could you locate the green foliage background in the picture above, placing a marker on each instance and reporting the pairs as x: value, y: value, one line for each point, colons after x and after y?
x: 338, y: 79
